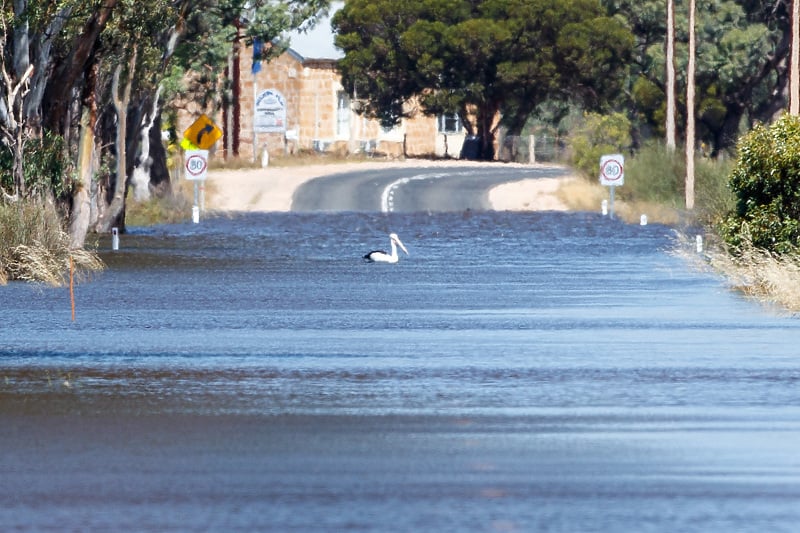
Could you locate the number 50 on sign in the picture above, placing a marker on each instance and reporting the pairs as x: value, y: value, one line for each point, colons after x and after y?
x: 612, y: 170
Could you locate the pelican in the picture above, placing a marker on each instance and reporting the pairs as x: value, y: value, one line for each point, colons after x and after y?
x: 379, y: 256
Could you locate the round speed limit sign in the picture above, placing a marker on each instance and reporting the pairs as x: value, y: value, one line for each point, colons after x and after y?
x: 612, y: 170
x: 196, y: 164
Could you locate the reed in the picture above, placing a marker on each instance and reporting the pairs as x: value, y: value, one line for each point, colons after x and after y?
x: 34, y: 246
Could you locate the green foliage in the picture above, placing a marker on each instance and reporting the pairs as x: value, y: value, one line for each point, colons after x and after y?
x: 714, y: 198
x: 45, y: 166
x: 599, y: 135
x: 655, y: 174
x: 736, y: 41
x: 766, y: 184
x: 478, y: 58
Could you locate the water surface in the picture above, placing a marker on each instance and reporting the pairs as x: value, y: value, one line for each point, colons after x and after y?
x: 515, y: 372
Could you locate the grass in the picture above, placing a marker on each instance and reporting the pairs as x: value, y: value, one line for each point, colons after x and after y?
x: 34, y: 246
x: 174, y: 207
x: 298, y: 159
x: 583, y: 195
x: 654, y: 186
x: 759, y: 274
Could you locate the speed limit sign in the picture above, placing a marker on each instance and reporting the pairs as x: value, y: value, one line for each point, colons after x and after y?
x: 612, y: 170
x: 196, y: 164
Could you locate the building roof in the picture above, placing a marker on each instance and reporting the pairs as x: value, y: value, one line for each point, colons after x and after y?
x: 317, y: 43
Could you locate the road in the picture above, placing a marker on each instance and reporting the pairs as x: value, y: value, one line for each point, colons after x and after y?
x: 412, y: 189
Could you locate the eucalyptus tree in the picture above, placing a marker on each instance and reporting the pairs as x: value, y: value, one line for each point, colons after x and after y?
x: 741, y: 63
x: 490, y: 61
x: 88, y: 75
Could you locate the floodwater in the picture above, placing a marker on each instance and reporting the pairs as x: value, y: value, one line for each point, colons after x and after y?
x: 515, y: 372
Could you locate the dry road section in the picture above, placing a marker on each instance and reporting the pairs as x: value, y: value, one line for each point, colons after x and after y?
x: 272, y: 188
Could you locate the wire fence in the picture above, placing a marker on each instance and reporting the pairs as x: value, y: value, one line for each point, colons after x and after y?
x: 539, y: 148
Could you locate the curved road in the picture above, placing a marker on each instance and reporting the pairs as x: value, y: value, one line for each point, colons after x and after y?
x: 433, y: 189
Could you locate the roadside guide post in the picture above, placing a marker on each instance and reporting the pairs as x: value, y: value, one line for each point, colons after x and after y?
x: 612, y: 174
x: 197, y: 139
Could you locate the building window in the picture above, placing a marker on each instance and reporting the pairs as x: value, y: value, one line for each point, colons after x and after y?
x: 449, y: 123
x: 342, y: 115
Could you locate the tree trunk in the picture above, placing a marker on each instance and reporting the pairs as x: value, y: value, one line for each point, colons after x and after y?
x: 114, y: 215
x: 488, y: 122
x: 81, y: 200
x: 140, y: 178
x: 59, y: 91
x: 728, y: 134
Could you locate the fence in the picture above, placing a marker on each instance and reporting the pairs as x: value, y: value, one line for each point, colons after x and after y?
x: 540, y: 148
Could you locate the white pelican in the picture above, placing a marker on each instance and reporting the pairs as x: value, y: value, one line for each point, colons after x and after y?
x: 379, y: 256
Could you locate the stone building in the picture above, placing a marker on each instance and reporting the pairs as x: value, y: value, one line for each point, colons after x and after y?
x: 296, y: 102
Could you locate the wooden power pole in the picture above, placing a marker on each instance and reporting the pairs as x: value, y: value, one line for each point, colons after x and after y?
x: 794, y: 67
x: 670, y: 74
x: 690, y: 135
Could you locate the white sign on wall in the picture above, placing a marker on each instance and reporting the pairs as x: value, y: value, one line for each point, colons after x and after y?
x: 612, y: 170
x: 270, y: 112
x: 196, y: 164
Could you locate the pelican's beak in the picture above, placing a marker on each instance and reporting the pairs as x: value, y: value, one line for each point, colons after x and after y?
x: 401, y: 245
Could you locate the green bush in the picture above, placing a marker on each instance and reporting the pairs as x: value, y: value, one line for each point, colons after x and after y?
x: 713, y: 196
x: 766, y: 185
x: 655, y: 174
x: 45, y: 167
x: 597, y: 136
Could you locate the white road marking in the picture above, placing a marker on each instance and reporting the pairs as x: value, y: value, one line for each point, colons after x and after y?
x: 387, y: 197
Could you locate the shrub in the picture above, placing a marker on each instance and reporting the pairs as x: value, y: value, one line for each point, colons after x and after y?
x: 766, y: 185
x: 597, y: 136
x: 655, y: 174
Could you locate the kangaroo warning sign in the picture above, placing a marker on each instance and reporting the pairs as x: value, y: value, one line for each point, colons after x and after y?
x: 612, y: 170
x: 196, y: 164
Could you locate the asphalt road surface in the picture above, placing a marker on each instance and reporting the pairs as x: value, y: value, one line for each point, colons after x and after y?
x: 412, y: 189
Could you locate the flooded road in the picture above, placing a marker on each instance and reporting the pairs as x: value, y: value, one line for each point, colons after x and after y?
x: 515, y: 372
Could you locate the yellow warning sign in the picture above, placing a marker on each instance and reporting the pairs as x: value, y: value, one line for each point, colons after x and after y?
x: 202, y: 133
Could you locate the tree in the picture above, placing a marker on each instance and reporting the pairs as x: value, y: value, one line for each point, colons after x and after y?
x: 741, y: 73
x: 492, y: 62
x: 98, y: 66
x: 766, y: 182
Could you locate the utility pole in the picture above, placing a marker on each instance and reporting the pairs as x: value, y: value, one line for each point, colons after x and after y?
x: 794, y: 67
x: 670, y: 72
x: 690, y: 135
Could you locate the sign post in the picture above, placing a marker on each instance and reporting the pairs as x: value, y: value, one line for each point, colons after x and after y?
x: 612, y: 174
x: 197, y: 139
x: 196, y: 169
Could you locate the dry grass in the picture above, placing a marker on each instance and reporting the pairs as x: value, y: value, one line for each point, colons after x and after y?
x: 582, y: 195
x: 34, y: 247
x: 299, y: 159
x: 175, y: 207
x: 756, y: 273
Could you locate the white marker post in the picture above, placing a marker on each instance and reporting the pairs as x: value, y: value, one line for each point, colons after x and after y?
x: 612, y: 174
x: 196, y: 169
